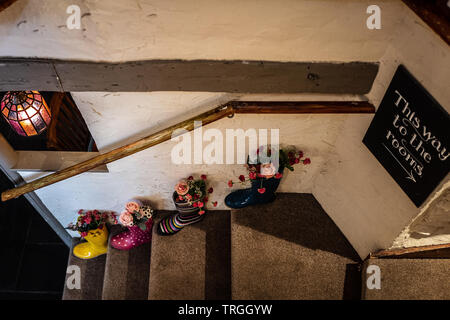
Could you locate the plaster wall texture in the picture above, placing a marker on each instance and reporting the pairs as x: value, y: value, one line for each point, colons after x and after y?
x: 354, y: 188
x: 357, y: 193
x: 123, y: 30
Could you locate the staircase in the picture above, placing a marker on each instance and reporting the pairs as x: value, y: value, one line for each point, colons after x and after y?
x: 288, y: 249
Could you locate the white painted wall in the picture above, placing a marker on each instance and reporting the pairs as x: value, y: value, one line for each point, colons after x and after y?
x: 351, y: 185
x: 355, y: 189
x: 286, y: 30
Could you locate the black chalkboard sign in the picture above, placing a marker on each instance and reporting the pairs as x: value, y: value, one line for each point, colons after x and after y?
x: 409, y: 136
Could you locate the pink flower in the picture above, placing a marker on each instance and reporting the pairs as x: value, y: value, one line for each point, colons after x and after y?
x: 268, y: 170
x: 182, y: 188
x: 307, y: 161
x: 230, y: 183
x: 126, y: 219
x: 201, y: 212
x: 278, y: 175
x: 200, y: 204
x: 262, y: 190
x: 203, y: 176
x: 88, y: 219
x: 242, y: 178
x: 133, y: 205
x: 188, y: 196
x: 252, y: 175
x: 84, y: 234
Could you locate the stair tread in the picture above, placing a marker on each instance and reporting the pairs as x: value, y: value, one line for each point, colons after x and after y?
x: 409, y: 279
x: 194, y: 263
x: 126, y: 272
x: 289, y: 249
x: 91, y: 272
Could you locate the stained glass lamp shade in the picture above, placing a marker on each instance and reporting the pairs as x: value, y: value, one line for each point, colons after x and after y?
x: 26, y: 112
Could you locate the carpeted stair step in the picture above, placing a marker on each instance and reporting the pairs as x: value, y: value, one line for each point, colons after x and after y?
x: 194, y: 263
x: 91, y: 277
x: 291, y: 249
x: 408, y: 279
x: 126, y: 272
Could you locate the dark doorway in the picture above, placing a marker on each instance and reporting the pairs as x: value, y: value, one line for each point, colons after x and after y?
x: 33, y: 258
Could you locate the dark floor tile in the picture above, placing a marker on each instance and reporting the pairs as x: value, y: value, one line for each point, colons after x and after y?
x: 43, y: 267
x: 30, y: 295
x: 41, y: 232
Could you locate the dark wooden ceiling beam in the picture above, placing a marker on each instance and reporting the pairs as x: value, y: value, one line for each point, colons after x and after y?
x: 188, y: 75
x: 435, y: 13
x: 5, y: 4
x: 299, y: 107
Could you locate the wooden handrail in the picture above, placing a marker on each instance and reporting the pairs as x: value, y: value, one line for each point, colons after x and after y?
x: 299, y: 107
x: 281, y: 107
x: 119, y: 153
x: 402, y: 251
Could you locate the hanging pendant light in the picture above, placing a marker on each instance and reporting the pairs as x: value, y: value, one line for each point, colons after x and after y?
x: 26, y: 112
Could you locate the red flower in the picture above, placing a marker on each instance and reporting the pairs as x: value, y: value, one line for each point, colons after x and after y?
x: 201, y: 212
x: 180, y: 198
x: 210, y: 190
x: 242, y: 178
x: 278, y: 175
x: 80, y: 211
x: 262, y: 190
x: 190, y: 178
x: 200, y: 204
x: 195, y: 204
x: 300, y: 154
x: 205, y: 199
x: 296, y: 161
x: 230, y: 183
x: 203, y: 176
x: 252, y: 175
x: 307, y: 161
x: 215, y: 203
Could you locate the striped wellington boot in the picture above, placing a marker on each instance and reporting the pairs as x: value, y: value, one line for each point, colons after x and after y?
x: 174, y: 223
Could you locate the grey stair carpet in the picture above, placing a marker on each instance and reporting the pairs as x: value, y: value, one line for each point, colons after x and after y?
x: 194, y: 263
x: 409, y: 279
x: 91, y: 272
x: 291, y: 249
x: 126, y: 272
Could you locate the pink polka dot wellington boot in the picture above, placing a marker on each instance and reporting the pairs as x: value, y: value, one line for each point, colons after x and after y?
x: 133, y: 237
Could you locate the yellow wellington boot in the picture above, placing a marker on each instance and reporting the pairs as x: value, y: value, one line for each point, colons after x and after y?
x: 96, y: 245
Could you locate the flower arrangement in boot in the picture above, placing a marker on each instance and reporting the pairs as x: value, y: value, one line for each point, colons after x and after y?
x: 138, y: 219
x: 91, y: 225
x: 264, y: 178
x: 190, y: 198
